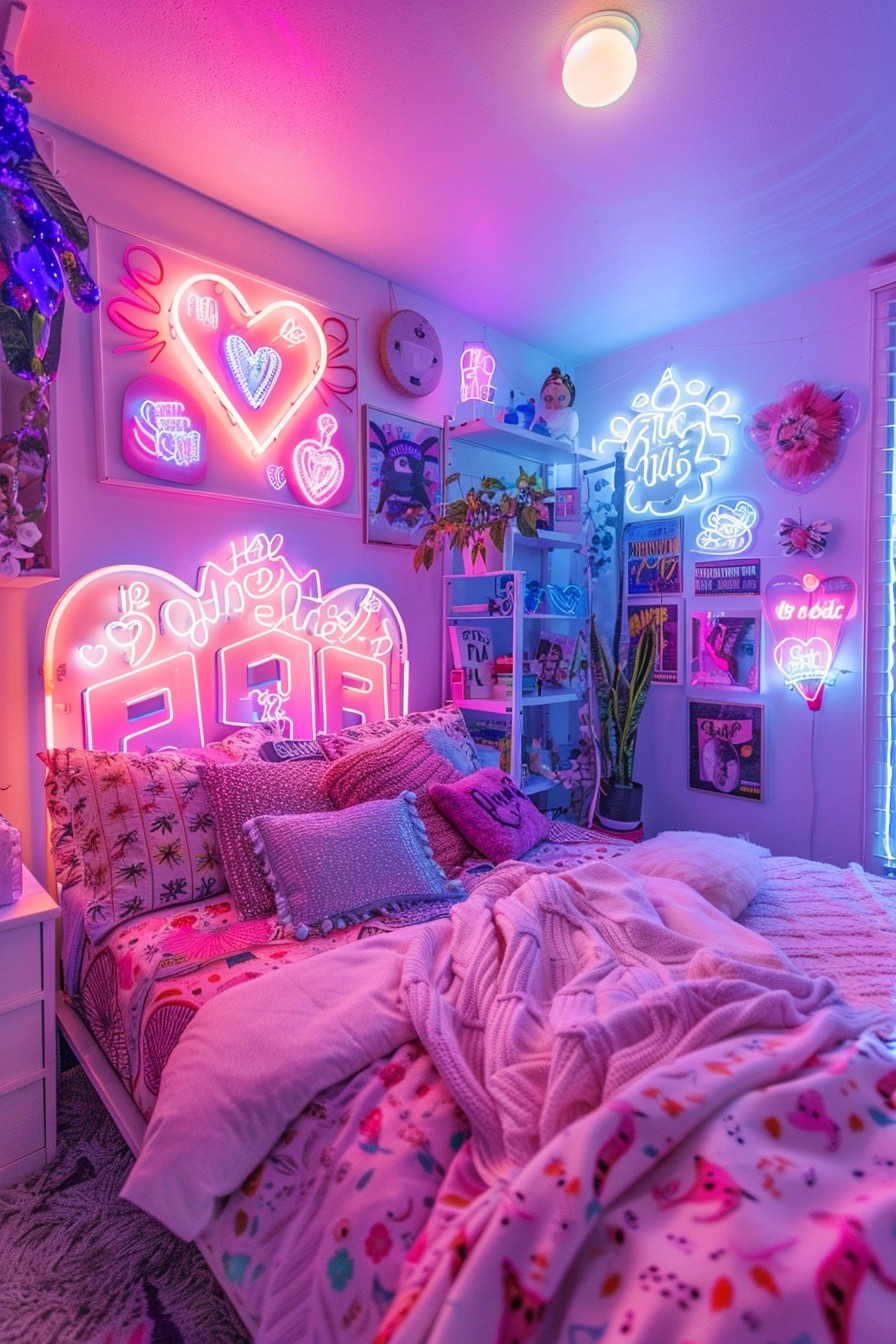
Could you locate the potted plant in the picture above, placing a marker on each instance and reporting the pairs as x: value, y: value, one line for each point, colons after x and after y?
x: 619, y: 675
x: 483, y: 515
x: 622, y: 674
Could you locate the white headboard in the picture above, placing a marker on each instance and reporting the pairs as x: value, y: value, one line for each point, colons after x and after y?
x: 136, y: 659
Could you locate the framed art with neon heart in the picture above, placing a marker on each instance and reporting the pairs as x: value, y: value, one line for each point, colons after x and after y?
x: 403, y: 475
x: 214, y: 381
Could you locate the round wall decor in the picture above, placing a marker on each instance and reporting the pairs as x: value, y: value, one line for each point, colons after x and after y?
x: 411, y: 353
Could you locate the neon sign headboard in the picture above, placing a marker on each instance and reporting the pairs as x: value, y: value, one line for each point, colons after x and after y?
x: 135, y: 659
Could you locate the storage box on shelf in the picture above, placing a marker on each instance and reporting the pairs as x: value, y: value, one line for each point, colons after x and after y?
x: 514, y: 703
x: 27, y: 1032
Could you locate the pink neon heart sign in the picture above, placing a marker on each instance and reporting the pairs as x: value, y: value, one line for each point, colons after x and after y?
x: 261, y: 365
x: 319, y: 473
x: 807, y: 619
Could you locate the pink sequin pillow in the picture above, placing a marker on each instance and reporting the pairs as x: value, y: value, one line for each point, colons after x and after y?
x: 492, y: 813
x: 448, y: 719
x: 249, y: 789
x: 388, y: 766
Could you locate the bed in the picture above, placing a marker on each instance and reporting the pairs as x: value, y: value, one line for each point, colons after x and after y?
x: 409, y: 1061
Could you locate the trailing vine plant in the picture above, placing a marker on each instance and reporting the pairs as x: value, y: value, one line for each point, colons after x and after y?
x: 42, y: 236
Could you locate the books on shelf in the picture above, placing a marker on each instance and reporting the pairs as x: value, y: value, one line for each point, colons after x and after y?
x: 472, y: 652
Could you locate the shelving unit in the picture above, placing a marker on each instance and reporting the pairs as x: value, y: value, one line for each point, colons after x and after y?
x: 493, y: 604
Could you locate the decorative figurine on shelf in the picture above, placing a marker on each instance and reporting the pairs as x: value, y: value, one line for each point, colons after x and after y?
x: 556, y: 418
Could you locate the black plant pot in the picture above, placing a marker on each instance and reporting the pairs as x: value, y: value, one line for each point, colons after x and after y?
x: 619, y: 806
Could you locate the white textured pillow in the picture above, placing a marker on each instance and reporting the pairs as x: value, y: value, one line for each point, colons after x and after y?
x: 724, y: 869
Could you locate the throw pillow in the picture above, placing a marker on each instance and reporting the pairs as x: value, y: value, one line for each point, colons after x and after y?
x: 387, y: 767
x: 329, y: 869
x: 726, y: 870
x: 449, y: 719
x: 238, y: 792
x: 133, y: 831
x: 494, y: 815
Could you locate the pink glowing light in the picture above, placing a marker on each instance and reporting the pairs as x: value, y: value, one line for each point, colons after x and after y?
x: 319, y: 475
x: 135, y: 656
x: 163, y: 432
x: 275, y: 357
x: 477, y: 368
x: 807, y: 617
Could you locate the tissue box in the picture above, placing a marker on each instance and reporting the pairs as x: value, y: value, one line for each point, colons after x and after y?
x: 10, y: 863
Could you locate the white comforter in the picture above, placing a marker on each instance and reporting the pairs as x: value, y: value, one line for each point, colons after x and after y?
x: 540, y: 997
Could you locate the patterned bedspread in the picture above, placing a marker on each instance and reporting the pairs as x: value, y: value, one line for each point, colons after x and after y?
x: 142, y: 984
x: 685, y: 1210
x: 743, y: 1190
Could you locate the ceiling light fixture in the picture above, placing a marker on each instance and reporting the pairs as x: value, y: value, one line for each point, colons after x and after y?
x: 599, y: 60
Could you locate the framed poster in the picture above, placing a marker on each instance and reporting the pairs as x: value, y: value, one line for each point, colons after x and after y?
x: 725, y: 748
x: 404, y: 462
x: 652, y: 552
x: 214, y: 381
x: 666, y: 617
x: 718, y: 578
x: 724, y: 649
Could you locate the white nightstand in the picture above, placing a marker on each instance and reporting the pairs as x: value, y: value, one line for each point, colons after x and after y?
x: 27, y: 1032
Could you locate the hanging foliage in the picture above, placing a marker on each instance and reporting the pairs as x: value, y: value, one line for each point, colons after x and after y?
x: 42, y: 236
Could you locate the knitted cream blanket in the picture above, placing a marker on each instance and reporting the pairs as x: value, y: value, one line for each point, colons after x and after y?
x: 558, y: 989
x: 839, y: 922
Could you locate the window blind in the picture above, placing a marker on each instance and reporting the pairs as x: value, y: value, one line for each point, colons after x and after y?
x: 880, y: 654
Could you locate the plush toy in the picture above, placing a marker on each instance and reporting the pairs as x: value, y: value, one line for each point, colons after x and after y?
x: 556, y: 418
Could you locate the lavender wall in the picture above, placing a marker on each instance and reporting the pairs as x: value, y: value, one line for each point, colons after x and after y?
x: 813, y: 802
x: 102, y: 524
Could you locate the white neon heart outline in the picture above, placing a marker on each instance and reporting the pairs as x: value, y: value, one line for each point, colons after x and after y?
x: 318, y: 466
x: 808, y: 692
x: 261, y: 446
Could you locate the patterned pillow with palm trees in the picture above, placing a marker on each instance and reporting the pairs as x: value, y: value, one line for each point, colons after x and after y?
x: 141, y: 827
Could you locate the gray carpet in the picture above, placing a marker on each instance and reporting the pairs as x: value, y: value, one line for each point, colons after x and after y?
x: 78, y: 1265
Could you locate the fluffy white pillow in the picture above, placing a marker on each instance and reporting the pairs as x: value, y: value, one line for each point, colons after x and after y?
x: 724, y: 869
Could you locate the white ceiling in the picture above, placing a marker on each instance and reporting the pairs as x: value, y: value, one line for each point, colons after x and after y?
x: 431, y: 142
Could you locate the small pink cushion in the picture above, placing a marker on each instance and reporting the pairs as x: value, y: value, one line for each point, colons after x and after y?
x: 249, y: 789
x: 400, y: 761
x: 492, y: 813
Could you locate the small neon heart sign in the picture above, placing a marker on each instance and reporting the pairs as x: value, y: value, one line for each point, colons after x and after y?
x: 262, y: 365
x: 807, y: 618
x: 254, y: 371
x: 319, y: 474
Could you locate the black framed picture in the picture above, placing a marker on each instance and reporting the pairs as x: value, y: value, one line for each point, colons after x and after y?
x: 404, y: 464
x: 725, y: 748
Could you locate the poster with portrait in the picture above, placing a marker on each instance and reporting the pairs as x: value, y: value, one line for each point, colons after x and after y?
x: 666, y: 618
x: 403, y: 473
x: 724, y: 649
x: 652, y: 550
x: 725, y: 748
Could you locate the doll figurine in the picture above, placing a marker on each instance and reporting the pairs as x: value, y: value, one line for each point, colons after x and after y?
x: 556, y: 418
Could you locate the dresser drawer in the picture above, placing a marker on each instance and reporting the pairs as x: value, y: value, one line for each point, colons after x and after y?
x: 21, y: 1041
x: 20, y: 962
x: 21, y: 1122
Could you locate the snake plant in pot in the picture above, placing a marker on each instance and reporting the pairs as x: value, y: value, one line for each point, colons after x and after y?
x: 621, y: 675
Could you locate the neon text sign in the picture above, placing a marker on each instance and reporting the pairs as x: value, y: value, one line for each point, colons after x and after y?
x: 477, y: 368
x: 726, y: 528
x: 673, y: 444
x: 163, y: 431
x: 135, y: 659
x: 807, y: 618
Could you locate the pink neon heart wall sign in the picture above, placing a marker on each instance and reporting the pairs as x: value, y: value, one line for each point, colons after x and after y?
x: 807, y: 619
x: 262, y: 366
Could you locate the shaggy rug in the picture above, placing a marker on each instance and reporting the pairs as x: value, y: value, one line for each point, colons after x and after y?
x: 81, y: 1266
